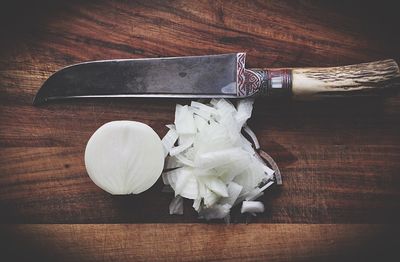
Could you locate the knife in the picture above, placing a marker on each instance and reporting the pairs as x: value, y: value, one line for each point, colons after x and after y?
x: 214, y: 76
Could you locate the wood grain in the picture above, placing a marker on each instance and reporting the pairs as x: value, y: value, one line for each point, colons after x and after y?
x: 340, y: 160
x: 191, y: 242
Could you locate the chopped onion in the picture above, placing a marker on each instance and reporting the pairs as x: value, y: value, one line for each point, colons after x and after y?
x: 184, y: 160
x: 184, y: 121
x: 165, y: 180
x: 196, y: 204
x: 276, y: 170
x: 200, y: 123
x: 267, y: 185
x: 215, y: 212
x: 172, y: 162
x: 252, y: 136
x: 244, y: 110
x: 216, y: 165
x: 234, y: 190
x: 252, y: 207
x: 252, y: 195
x: 215, y: 185
x: 210, y: 198
x: 176, y: 206
x: 182, y: 147
x: 169, y: 140
x: 204, y: 108
x: 185, y: 183
x: 124, y: 157
x: 217, y: 158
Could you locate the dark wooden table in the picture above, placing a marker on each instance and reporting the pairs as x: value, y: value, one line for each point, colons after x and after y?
x: 340, y: 159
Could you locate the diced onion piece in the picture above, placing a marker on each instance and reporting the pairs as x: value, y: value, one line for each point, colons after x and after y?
x: 200, y: 123
x: 216, y: 186
x: 184, y: 121
x: 170, y: 177
x: 196, y: 204
x: 171, y: 126
x: 267, y: 185
x: 214, y: 102
x: 233, y: 193
x: 210, y: 198
x: 252, y: 136
x: 251, y: 177
x: 169, y: 140
x: 252, y: 207
x: 215, y: 212
x: 182, y: 147
x: 217, y: 158
x: 253, y: 195
x: 225, y: 106
x: 185, y: 139
x: 244, y: 110
x: 184, y: 160
x: 164, y: 177
x: 208, y: 109
x: 124, y: 157
x: 271, y: 161
x: 203, y: 114
x: 230, y: 171
x: 186, y: 183
x: 176, y: 206
x: 171, y: 162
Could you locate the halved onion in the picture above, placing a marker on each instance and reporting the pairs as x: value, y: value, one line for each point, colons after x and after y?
x: 124, y: 157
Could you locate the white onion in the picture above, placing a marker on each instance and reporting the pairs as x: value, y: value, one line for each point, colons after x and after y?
x: 253, y: 137
x: 169, y: 140
x: 124, y: 157
x: 183, y: 145
x: 185, y: 184
x: 217, y: 166
x: 215, y: 212
x: 184, y: 121
x: 234, y: 190
x: 171, y: 163
x: 176, y: 206
x: 252, y: 207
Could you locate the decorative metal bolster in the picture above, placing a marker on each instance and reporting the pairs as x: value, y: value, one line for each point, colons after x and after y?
x: 248, y: 81
x: 262, y: 82
x: 278, y: 82
x: 269, y: 82
x: 254, y: 80
x: 240, y: 73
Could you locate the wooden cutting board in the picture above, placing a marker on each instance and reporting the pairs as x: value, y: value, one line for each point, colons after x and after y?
x: 340, y: 159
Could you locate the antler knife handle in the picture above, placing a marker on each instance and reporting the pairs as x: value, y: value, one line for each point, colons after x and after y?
x: 308, y: 83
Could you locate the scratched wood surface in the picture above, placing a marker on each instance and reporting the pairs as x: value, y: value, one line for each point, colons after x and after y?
x: 340, y: 159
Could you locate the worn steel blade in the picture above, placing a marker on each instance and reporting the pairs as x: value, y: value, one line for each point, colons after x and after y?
x: 192, y: 76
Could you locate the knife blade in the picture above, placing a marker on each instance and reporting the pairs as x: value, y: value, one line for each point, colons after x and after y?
x: 219, y: 76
